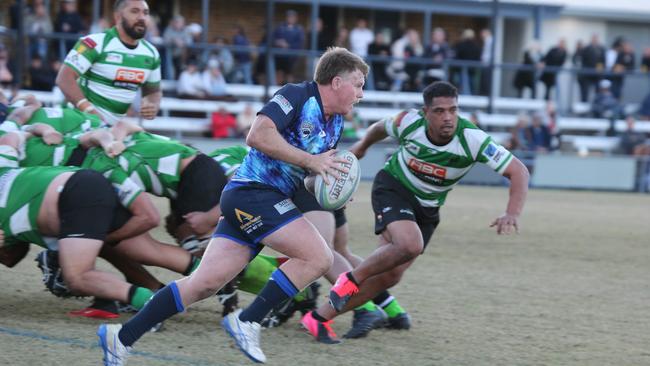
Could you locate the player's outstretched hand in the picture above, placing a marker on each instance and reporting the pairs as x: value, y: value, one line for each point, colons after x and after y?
x: 52, y: 138
x: 506, y: 224
x: 199, y: 222
x: 326, y: 164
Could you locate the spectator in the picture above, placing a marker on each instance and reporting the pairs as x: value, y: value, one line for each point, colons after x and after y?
x: 195, y: 31
x: 645, y: 60
x: 437, y: 52
x: 69, y: 21
x: 225, y: 57
x: 176, y: 39
x: 413, y: 49
x: 605, y: 104
x: 379, y: 47
x: 360, y: 38
x: 190, y: 83
x: 396, y: 70
x: 473, y: 117
x: 245, y: 120
x: 342, y: 38
x: 6, y: 69
x: 538, y: 134
x: 222, y: 123
x: 37, y: 25
x: 518, y: 139
x: 101, y: 25
x: 555, y: 58
x: 243, y: 69
x: 592, y: 64
x: 624, y: 63
x: 467, y: 49
x: 526, y: 77
x: 41, y: 75
x: 486, y: 57
x: 288, y: 36
x: 214, y: 83
x: 153, y: 31
x: 323, y: 39
x: 644, y: 109
x: 633, y: 142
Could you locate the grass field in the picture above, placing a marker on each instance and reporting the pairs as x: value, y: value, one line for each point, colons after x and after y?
x: 573, y: 288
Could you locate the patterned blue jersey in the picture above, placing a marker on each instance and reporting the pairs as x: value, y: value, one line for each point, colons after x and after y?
x: 297, y: 111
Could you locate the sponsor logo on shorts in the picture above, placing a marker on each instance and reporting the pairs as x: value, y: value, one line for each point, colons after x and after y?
x: 284, y: 206
x: 130, y: 76
x: 386, y: 209
x: 249, y: 223
x: 407, y: 211
x: 75, y: 235
x: 427, y: 169
x: 284, y: 104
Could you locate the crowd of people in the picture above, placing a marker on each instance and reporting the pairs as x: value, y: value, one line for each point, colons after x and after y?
x: 78, y: 178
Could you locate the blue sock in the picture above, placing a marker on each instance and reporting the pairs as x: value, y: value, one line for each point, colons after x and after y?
x: 163, y: 305
x: 278, y: 289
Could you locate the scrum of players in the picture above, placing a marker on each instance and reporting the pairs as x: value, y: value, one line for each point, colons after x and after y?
x: 81, y: 189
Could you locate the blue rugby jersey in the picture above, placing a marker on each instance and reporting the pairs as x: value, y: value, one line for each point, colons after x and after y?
x: 297, y: 111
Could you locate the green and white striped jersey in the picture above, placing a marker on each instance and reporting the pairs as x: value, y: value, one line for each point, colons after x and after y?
x: 230, y: 158
x: 431, y: 171
x: 111, y: 73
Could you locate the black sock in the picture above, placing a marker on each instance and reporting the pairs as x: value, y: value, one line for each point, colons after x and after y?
x: 191, y: 266
x: 351, y: 278
x: 379, y: 299
x: 318, y: 317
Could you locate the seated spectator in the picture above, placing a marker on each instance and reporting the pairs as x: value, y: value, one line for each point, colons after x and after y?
x: 222, y: 123
x: 379, y: 47
x: 633, y: 142
x: 245, y: 120
x: 518, y: 139
x: 538, y: 134
x: 6, y: 68
x: 214, y: 84
x: 605, y: 104
x: 41, y: 75
x: 644, y: 109
x: 190, y: 83
x: 225, y: 58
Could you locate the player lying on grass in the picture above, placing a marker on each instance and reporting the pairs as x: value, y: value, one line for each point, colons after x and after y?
x: 436, y: 149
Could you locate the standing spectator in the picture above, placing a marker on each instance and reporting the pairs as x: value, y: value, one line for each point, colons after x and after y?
x: 69, y: 21
x: 222, y: 123
x: 379, y: 47
x: 323, y: 38
x: 195, y: 31
x: 190, y: 83
x: 413, y: 49
x: 289, y: 36
x: 486, y: 57
x: 214, y: 83
x: 245, y: 120
x: 37, y: 25
x: 467, y: 49
x: 41, y: 75
x: 624, y: 63
x: 555, y: 58
x: 360, y: 38
x: 176, y: 39
x: 645, y: 60
x: 592, y: 64
x: 225, y: 57
x: 538, y: 134
x: 6, y: 69
x: 526, y: 77
x: 102, y: 25
x: 342, y: 38
x: 437, y: 52
x: 243, y: 70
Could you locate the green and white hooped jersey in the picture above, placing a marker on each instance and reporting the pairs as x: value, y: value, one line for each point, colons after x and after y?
x: 111, y: 73
x: 431, y: 171
x: 67, y: 121
x: 230, y: 158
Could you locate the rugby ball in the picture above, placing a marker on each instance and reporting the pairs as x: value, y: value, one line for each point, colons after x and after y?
x: 336, y: 194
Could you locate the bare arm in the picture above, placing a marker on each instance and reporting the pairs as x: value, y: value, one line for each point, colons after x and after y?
x: 23, y: 114
x: 518, y: 175
x: 49, y: 135
x: 122, y: 129
x: 265, y: 137
x: 66, y: 80
x: 145, y: 217
x: 150, y: 101
x: 104, y: 139
x: 375, y: 133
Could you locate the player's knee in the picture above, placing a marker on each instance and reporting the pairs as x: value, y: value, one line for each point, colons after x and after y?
x: 410, y: 245
x: 323, y: 262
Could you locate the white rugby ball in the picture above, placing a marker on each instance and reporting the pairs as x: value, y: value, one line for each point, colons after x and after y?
x: 336, y: 194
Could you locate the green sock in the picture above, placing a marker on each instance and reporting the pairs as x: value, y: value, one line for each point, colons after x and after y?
x: 369, y: 306
x: 304, y: 294
x: 194, y: 264
x: 256, y: 274
x: 139, y: 297
x: 272, y: 260
x: 393, y: 309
